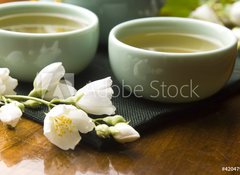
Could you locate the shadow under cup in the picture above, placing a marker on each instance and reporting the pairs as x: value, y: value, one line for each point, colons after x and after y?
x: 26, y: 53
x: 172, y: 76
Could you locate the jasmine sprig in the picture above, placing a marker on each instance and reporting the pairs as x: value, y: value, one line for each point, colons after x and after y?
x: 68, y: 109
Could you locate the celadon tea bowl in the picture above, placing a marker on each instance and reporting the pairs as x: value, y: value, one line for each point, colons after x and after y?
x: 172, y: 77
x: 25, y: 54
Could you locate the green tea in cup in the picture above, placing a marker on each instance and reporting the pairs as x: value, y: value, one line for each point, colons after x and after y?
x: 40, y: 23
x: 35, y: 34
x: 171, y: 42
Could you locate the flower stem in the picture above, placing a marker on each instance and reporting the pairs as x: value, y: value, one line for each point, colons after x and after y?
x: 97, y: 121
x: 23, y: 97
x: 59, y: 101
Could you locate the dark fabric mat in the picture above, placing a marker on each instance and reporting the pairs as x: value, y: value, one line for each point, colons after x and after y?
x: 142, y: 113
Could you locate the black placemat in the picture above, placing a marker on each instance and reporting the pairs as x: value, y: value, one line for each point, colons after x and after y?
x: 142, y: 113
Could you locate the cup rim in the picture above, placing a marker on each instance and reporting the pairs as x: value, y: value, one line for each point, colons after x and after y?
x: 119, y: 27
x: 93, y: 22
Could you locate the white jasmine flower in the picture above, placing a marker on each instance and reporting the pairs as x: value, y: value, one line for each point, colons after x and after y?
x: 205, y: 13
x: 63, y: 123
x: 122, y: 133
x: 10, y: 114
x: 7, y: 83
x: 48, y: 84
x: 222, y: 11
x: 235, y: 13
x: 48, y: 78
x: 95, y: 97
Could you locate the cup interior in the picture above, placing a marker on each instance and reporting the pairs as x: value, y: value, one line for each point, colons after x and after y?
x: 72, y: 12
x: 216, y: 33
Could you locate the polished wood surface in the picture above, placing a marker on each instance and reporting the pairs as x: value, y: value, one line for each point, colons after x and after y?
x: 193, y: 143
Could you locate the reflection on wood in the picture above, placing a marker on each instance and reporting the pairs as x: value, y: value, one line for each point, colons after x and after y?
x: 199, y: 143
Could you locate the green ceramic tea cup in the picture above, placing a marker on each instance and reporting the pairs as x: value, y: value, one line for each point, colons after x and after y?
x: 26, y: 53
x: 167, y: 76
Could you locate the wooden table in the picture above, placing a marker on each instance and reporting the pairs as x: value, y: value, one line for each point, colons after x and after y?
x: 196, y: 143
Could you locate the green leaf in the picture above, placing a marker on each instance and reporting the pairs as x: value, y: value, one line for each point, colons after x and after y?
x: 181, y: 8
x: 224, y: 2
